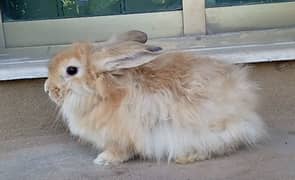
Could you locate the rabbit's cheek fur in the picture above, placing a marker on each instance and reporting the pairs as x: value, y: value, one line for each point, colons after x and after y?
x: 77, y: 109
x: 78, y: 87
x: 56, y: 95
x: 95, y: 118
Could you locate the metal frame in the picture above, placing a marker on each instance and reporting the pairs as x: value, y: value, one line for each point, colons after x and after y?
x: 25, y: 47
x: 194, y: 17
x: 241, y: 47
x: 2, y: 38
x: 64, y: 31
x: 250, y: 17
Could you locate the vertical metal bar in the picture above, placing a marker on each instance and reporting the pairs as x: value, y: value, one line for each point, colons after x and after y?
x: 2, y: 38
x: 194, y: 17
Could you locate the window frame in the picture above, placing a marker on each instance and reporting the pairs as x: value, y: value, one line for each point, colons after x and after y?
x: 21, y: 56
x: 64, y: 31
x: 193, y: 19
x: 2, y: 38
x: 250, y: 17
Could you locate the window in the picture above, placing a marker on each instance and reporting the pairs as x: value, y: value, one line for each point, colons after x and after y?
x: 31, y: 31
x: 58, y: 22
x: 237, y: 15
x: 21, y: 10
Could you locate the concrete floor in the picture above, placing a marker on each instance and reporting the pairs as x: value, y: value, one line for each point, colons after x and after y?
x: 35, y: 145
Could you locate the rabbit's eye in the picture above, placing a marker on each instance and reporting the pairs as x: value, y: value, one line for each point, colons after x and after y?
x: 72, y: 70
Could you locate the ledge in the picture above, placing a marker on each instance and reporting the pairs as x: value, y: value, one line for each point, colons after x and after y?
x: 242, y: 47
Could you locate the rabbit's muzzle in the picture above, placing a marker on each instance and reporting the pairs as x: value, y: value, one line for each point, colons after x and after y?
x: 55, y: 93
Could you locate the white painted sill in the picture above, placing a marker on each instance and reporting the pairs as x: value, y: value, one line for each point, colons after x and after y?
x: 241, y: 47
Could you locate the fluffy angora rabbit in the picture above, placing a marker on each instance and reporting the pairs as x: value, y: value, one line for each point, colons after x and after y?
x: 131, y: 99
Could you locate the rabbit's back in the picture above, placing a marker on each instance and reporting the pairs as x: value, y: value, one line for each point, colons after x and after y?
x: 179, y: 104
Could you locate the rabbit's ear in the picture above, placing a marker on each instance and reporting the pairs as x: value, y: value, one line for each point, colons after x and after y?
x: 128, y: 57
x: 133, y: 35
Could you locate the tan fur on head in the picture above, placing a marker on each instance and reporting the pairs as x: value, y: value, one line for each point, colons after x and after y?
x: 59, y: 83
x: 129, y: 100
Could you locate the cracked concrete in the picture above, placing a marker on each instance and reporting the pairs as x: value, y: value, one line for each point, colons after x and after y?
x: 35, y: 145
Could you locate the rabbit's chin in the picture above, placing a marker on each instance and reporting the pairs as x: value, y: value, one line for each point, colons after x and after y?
x: 77, y: 104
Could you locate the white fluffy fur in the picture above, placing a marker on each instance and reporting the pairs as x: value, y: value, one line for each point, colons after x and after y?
x: 184, y: 108
x: 162, y: 127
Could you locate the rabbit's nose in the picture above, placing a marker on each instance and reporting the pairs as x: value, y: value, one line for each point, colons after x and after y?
x: 46, y: 89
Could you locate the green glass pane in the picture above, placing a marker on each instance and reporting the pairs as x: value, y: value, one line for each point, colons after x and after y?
x: 29, y: 9
x: 221, y: 3
x: 135, y: 6
x: 21, y: 10
x: 80, y: 8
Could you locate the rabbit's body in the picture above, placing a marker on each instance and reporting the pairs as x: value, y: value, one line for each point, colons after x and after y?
x: 178, y: 107
x: 174, y: 106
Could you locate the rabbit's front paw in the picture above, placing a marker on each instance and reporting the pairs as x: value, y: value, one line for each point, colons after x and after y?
x: 108, y: 158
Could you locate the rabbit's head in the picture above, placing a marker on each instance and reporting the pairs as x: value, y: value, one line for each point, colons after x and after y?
x: 79, y: 68
x: 69, y: 72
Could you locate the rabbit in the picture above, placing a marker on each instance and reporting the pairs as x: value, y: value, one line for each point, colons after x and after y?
x: 132, y: 99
